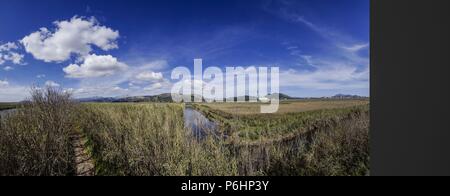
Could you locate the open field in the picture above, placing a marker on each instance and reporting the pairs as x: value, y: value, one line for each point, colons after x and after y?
x: 286, y: 106
x: 253, y: 126
x: 144, y: 139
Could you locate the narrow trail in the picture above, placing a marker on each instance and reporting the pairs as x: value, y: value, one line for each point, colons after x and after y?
x: 83, y: 161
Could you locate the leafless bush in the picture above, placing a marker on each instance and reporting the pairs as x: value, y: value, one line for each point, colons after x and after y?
x: 35, y: 139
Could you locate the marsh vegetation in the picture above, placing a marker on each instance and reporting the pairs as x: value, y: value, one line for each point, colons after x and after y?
x: 35, y: 139
x: 304, y: 138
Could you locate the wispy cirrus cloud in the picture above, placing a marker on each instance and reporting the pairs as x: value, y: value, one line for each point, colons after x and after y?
x: 149, y: 76
x: 83, y: 55
x: 356, y: 47
x: 338, y: 78
x: 339, y: 65
x: 8, y: 68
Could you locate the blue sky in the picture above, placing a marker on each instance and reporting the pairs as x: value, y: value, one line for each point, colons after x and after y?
x: 124, y: 48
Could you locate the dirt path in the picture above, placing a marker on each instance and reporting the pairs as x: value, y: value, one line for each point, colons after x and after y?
x: 83, y: 160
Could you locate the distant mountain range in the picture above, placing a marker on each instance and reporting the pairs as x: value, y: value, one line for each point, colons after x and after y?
x: 97, y: 99
x: 166, y: 98
x: 155, y: 98
x: 342, y: 96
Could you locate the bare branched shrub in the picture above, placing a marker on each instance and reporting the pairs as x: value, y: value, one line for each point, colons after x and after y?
x: 35, y: 139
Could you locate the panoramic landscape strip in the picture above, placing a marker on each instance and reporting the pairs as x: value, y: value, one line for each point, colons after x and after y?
x: 184, y: 88
x: 305, y: 137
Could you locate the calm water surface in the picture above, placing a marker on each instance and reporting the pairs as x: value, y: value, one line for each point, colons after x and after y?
x: 198, y: 123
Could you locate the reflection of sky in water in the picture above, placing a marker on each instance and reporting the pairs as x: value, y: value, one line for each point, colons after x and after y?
x: 198, y: 123
x: 5, y: 113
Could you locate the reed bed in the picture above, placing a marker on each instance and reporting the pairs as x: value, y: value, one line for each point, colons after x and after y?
x: 151, y: 139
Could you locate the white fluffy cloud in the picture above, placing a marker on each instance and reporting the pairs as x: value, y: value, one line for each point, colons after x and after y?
x: 76, y: 36
x: 15, y: 58
x: 149, y: 76
x: 8, y: 46
x: 50, y: 83
x: 7, y: 53
x: 124, y: 84
x: 95, y: 66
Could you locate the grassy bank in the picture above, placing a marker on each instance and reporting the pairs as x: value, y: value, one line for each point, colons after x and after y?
x: 331, y: 149
x: 319, y: 142
x: 267, y: 127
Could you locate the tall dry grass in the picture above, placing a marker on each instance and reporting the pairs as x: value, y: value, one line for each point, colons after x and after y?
x: 35, y: 139
x: 150, y: 139
x: 339, y: 149
x: 324, y: 142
